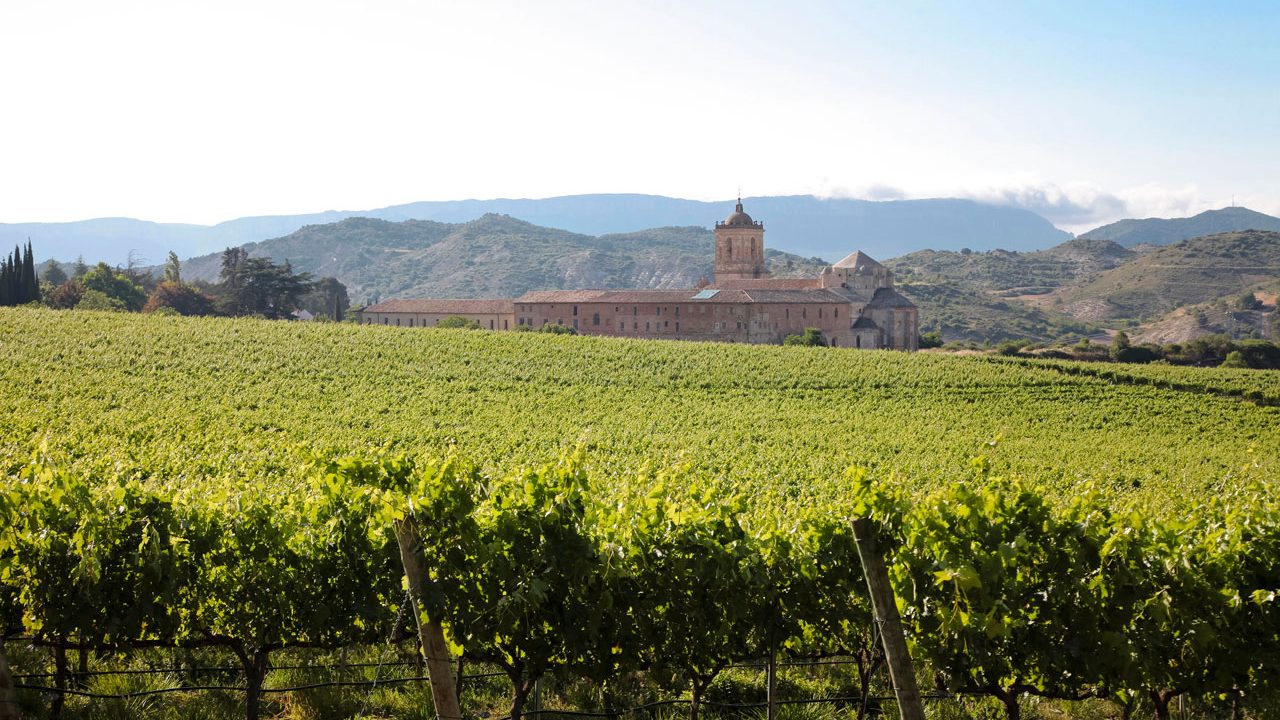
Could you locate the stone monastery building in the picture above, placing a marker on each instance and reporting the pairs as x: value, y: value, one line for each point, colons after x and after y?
x: 853, y: 302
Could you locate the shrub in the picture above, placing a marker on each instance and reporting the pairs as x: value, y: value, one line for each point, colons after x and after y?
x: 930, y: 340
x: 180, y: 298
x: 459, y: 322
x: 812, y: 337
x: 98, y: 300
x: 1234, y: 359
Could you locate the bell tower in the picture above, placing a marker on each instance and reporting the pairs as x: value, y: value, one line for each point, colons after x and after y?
x: 740, y: 247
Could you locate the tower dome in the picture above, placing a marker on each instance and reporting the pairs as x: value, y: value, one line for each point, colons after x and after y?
x: 738, y: 218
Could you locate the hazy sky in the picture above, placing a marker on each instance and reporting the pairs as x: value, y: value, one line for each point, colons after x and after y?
x: 206, y: 111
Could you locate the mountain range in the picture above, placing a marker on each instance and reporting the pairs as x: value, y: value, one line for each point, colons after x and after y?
x: 799, y: 224
x: 492, y: 256
x: 1078, y: 287
x: 1165, y: 231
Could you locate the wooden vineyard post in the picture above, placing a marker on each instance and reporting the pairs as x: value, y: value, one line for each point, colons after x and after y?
x: 771, y: 684
x: 444, y: 691
x: 8, y: 700
x: 885, y: 610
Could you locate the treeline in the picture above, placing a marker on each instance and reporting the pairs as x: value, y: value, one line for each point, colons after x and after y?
x: 18, y: 283
x: 246, y: 286
x: 1002, y: 591
x: 1205, y: 351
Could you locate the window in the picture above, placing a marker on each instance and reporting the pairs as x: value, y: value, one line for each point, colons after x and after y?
x: 410, y: 322
x: 836, y: 311
x: 504, y: 325
x: 575, y: 310
x: 595, y: 319
x: 397, y: 322
x: 490, y: 324
x: 646, y: 327
x: 819, y: 313
x: 635, y: 325
x: 677, y: 326
x: 677, y: 311
x: 666, y: 323
x: 622, y: 326
x: 575, y: 323
x: 633, y: 310
x: 804, y: 313
x: 788, y: 313
x: 385, y: 321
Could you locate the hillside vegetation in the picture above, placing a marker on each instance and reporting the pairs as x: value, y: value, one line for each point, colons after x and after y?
x: 495, y: 256
x: 1192, y: 271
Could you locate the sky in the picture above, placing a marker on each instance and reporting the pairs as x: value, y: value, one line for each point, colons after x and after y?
x: 188, y: 111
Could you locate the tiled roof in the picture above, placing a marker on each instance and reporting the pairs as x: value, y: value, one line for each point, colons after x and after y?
x: 860, y: 262
x: 889, y: 298
x: 441, y: 305
x: 795, y: 296
x: 864, y: 322
x: 720, y: 295
x: 552, y: 296
x: 768, y: 283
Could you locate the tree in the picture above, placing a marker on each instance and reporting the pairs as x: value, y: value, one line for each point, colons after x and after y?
x: 30, y: 284
x: 98, y: 300
x: 812, y: 337
x: 930, y: 340
x: 172, y: 268
x: 1234, y: 359
x: 53, y: 273
x: 1119, y: 344
x: 114, y: 285
x: 79, y: 268
x: 257, y: 286
x: 65, y: 296
x: 1248, y: 301
x: 18, y: 282
x: 459, y: 322
x: 180, y: 297
x: 328, y: 299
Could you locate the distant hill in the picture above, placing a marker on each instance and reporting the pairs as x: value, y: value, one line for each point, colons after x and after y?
x: 1193, y: 271
x: 1174, y: 293
x: 493, y: 256
x: 1026, y: 273
x: 800, y: 224
x: 1161, y: 231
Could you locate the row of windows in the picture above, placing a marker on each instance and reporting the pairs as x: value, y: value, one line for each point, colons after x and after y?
x: 660, y: 309
x: 423, y: 323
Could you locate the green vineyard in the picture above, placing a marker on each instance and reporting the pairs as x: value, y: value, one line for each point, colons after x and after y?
x: 595, y: 510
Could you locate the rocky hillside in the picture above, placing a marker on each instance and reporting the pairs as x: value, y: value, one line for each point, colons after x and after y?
x: 494, y: 256
x: 1172, y: 293
x: 1191, y: 272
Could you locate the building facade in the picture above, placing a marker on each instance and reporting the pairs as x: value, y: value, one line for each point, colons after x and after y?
x: 852, y: 302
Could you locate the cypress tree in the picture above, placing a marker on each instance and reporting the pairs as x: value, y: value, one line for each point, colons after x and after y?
x: 15, y: 277
x: 5, y: 284
x: 29, y: 276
